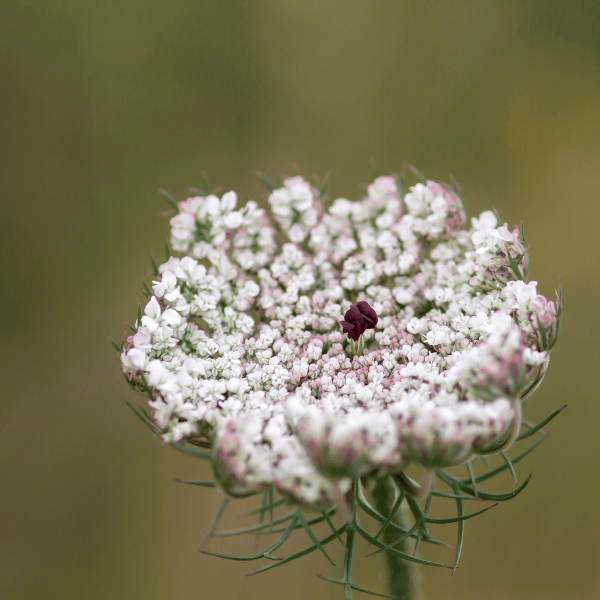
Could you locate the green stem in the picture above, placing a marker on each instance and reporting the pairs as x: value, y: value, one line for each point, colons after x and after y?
x: 400, y: 574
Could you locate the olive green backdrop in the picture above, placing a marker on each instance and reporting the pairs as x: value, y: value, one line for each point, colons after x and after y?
x: 104, y: 102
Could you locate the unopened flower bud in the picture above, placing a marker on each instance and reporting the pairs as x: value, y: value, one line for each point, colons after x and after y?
x: 494, y: 368
x: 240, y: 463
x: 349, y: 447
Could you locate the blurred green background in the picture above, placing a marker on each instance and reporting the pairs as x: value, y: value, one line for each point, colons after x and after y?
x: 104, y: 102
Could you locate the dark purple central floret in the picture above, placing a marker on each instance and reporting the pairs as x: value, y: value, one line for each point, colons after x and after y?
x: 357, y: 319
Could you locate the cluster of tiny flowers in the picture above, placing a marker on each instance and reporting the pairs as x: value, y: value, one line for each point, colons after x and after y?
x: 242, y: 345
x: 207, y: 227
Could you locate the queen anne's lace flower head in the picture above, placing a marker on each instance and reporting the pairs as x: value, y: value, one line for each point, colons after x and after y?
x: 247, y: 343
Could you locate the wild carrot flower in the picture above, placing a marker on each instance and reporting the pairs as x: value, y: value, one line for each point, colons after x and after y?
x: 321, y: 345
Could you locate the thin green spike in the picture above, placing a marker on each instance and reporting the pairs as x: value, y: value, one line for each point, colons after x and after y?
x: 314, y: 521
x: 519, y: 257
x: 312, y: 536
x: 141, y: 414
x: 392, y: 514
x: 275, y: 505
x: 270, y: 490
x: 514, y: 265
x: 419, y: 176
x: 205, y: 182
x: 384, y: 547
x: 241, y: 558
x: 530, y: 389
x: 369, y: 510
x: 455, y: 483
x: 348, y: 559
x: 208, y: 484
x: 167, y: 250
x: 170, y: 200
x: 408, y: 557
x: 510, y: 466
x: 256, y: 555
x: 447, y: 478
x: 358, y: 589
x: 154, y: 267
x: 418, y: 515
x: 461, y: 530
x: 378, y: 517
x: 461, y: 517
x: 373, y: 169
x: 486, y: 460
x: 559, y: 314
x: 304, y: 552
x: 454, y: 496
x: 218, y: 517
x: 321, y: 518
x: 373, y: 593
x: 273, y: 558
x: 499, y: 497
x: 259, y: 527
x: 268, y: 183
x: 270, y: 531
x: 544, y: 334
x: 455, y: 187
x: 501, y: 469
x: 192, y: 451
x: 541, y: 424
x: 472, y: 476
x: 323, y: 186
x: 332, y: 527
x: 401, y: 190
x: 425, y: 514
x: 118, y: 348
x: 522, y: 233
x: 261, y: 514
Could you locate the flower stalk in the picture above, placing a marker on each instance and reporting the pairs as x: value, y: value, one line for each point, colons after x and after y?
x: 400, y: 575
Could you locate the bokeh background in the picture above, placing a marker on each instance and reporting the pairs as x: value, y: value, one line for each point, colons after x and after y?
x: 105, y: 102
